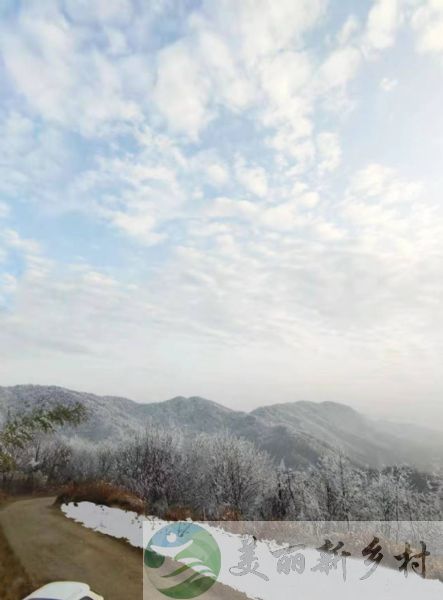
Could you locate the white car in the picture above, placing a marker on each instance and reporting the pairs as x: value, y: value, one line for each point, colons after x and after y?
x: 64, y: 590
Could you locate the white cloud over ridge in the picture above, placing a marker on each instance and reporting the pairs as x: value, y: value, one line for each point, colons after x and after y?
x: 224, y: 185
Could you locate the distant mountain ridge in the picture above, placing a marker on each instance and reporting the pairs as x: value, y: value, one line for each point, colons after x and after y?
x: 298, y: 432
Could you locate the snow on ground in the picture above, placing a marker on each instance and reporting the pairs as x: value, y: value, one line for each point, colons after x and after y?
x: 115, y: 522
x: 383, y: 583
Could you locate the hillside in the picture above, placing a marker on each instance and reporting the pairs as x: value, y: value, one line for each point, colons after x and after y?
x: 298, y: 432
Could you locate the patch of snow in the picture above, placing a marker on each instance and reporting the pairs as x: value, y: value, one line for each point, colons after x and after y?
x: 115, y: 522
x: 385, y: 583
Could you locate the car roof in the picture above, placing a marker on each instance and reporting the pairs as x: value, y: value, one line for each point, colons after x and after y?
x: 61, y: 590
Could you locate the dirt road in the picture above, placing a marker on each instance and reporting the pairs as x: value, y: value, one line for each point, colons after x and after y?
x: 52, y: 547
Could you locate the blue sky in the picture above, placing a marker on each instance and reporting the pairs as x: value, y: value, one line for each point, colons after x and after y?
x: 239, y: 200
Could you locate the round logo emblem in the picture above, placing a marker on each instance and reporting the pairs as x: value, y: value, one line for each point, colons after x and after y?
x: 182, y: 560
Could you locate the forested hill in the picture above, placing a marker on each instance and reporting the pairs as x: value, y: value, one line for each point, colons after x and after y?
x: 297, y: 432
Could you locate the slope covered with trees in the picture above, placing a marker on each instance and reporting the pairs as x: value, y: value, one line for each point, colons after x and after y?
x: 300, y: 433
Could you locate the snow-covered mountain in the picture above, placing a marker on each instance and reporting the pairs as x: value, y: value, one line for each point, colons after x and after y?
x: 298, y: 432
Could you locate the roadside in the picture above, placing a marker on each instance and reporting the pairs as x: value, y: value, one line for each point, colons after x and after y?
x: 14, y: 582
x: 52, y: 547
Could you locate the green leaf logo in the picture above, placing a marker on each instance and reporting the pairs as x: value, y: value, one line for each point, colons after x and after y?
x: 182, y: 560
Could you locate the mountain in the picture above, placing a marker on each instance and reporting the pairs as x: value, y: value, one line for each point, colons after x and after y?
x: 298, y: 432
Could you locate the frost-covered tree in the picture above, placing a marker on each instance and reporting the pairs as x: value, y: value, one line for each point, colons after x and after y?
x: 150, y: 466
x: 19, y: 432
x: 220, y: 475
x: 341, y: 486
x: 294, y: 496
x: 238, y: 474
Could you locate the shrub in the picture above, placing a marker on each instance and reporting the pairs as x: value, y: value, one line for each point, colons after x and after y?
x: 182, y: 513
x: 101, y: 492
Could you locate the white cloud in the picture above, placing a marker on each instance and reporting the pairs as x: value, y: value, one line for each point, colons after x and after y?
x: 340, y: 67
x: 300, y: 149
x: 117, y: 42
x: 286, y: 80
x: 259, y: 28
x: 228, y: 207
x: 104, y: 11
x: 328, y: 231
x: 348, y: 31
x: 380, y: 182
x: 209, y: 167
x: 387, y: 84
x: 4, y: 210
x: 427, y: 22
x: 12, y: 239
x: 217, y: 173
x: 285, y: 75
x: 283, y: 217
x: 138, y: 223
x: 214, y: 66
x: 62, y: 78
x: 81, y: 308
x: 308, y: 199
x: 182, y: 90
x: 8, y: 284
x: 253, y: 178
x: 329, y: 151
x: 383, y: 22
x: 229, y: 84
x: 138, y: 191
x: 34, y: 162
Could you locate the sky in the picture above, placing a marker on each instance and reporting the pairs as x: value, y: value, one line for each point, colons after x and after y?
x: 239, y: 200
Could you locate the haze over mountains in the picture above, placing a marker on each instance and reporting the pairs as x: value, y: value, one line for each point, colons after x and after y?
x: 298, y: 432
